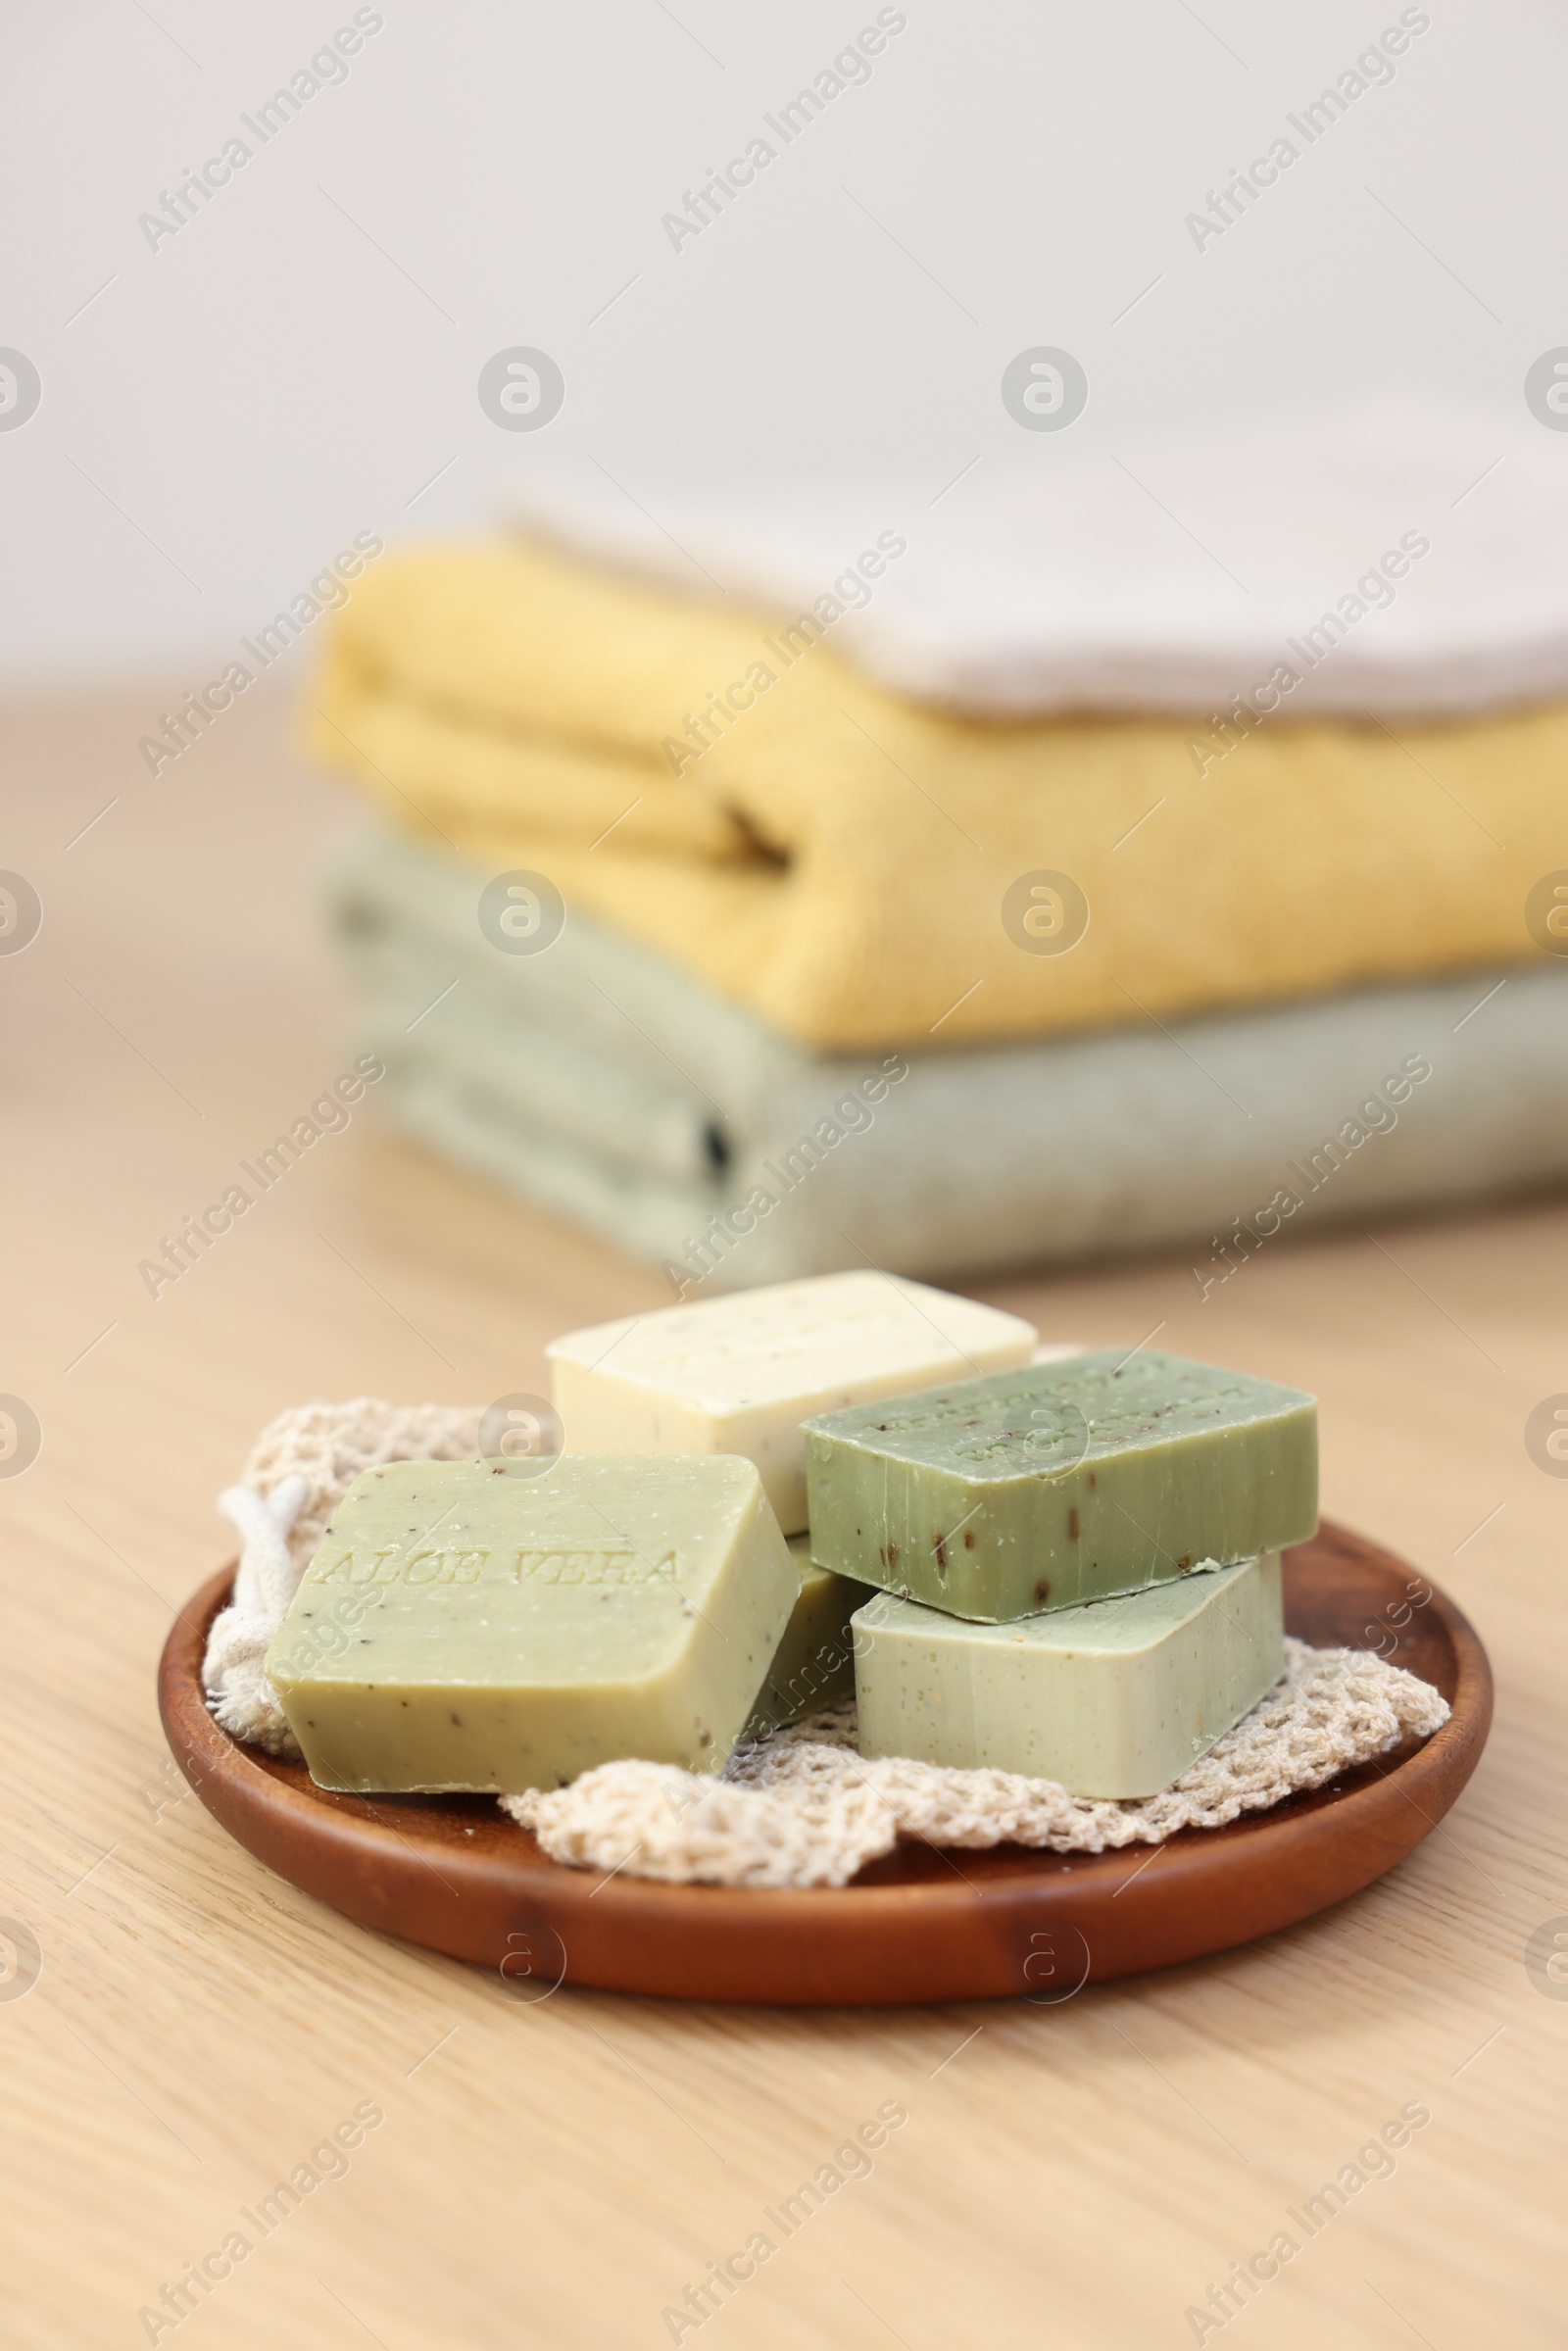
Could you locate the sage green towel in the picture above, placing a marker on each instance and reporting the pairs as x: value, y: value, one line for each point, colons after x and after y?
x: 607, y: 1085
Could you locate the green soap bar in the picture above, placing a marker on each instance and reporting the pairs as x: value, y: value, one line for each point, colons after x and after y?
x: 469, y: 1625
x: 1116, y: 1698
x: 814, y: 1665
x: 1065, y: 1481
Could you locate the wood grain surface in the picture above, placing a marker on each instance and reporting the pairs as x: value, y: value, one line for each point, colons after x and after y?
x: 918, y: 1924
x: 556, y: 2174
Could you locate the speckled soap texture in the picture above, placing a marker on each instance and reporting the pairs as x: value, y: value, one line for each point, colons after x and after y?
x: 467, y: 1625
x: 1027, y: 1490
x: 740, y: 1374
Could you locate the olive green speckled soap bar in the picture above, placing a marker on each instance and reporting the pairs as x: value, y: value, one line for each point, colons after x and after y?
x: 1026, y: 1491
x: 814, y: 1665
x: 1116, y: 1698
x: 467, y: 1625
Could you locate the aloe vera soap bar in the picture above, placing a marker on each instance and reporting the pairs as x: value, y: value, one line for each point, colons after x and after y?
x: 467, y: 1625
x: 740, y: 1374
x: 1065, y: 1481
x: 1116, y: 1698
x: 814, y: 1665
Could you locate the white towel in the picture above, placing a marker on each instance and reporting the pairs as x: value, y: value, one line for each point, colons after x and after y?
x: 1173, y: 572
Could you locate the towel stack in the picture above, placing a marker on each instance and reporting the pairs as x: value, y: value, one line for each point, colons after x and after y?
x: 993, y: 877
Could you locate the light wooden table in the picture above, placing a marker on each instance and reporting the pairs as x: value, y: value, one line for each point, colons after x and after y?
x: 555, y: 2175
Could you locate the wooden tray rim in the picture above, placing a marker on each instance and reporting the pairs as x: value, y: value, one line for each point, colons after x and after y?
x: 266, y: 1814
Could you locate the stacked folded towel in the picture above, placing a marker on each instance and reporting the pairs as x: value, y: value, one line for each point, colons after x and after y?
x: 879, y: 941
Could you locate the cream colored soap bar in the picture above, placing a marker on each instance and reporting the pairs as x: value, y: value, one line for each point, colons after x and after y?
x: 814, y: 1665
x: 739, y: 1374
x: 1116, y: 1699
x: 467, y: 1625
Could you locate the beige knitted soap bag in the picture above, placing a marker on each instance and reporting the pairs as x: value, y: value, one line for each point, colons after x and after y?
x: 802, y: 1807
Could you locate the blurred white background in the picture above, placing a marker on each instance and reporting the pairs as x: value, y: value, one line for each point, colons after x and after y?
x: 299, y: 362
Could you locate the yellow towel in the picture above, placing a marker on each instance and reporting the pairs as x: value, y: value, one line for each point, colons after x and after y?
x: 838, y: 857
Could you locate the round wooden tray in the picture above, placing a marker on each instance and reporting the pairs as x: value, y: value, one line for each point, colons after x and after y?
x: 453, y: 1874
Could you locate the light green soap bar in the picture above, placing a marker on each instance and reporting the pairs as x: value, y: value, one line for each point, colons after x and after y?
x: 467, y: 1625
x: 1117, y: 1699
x: 814, y: 1665
x: 1064, y: 1481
